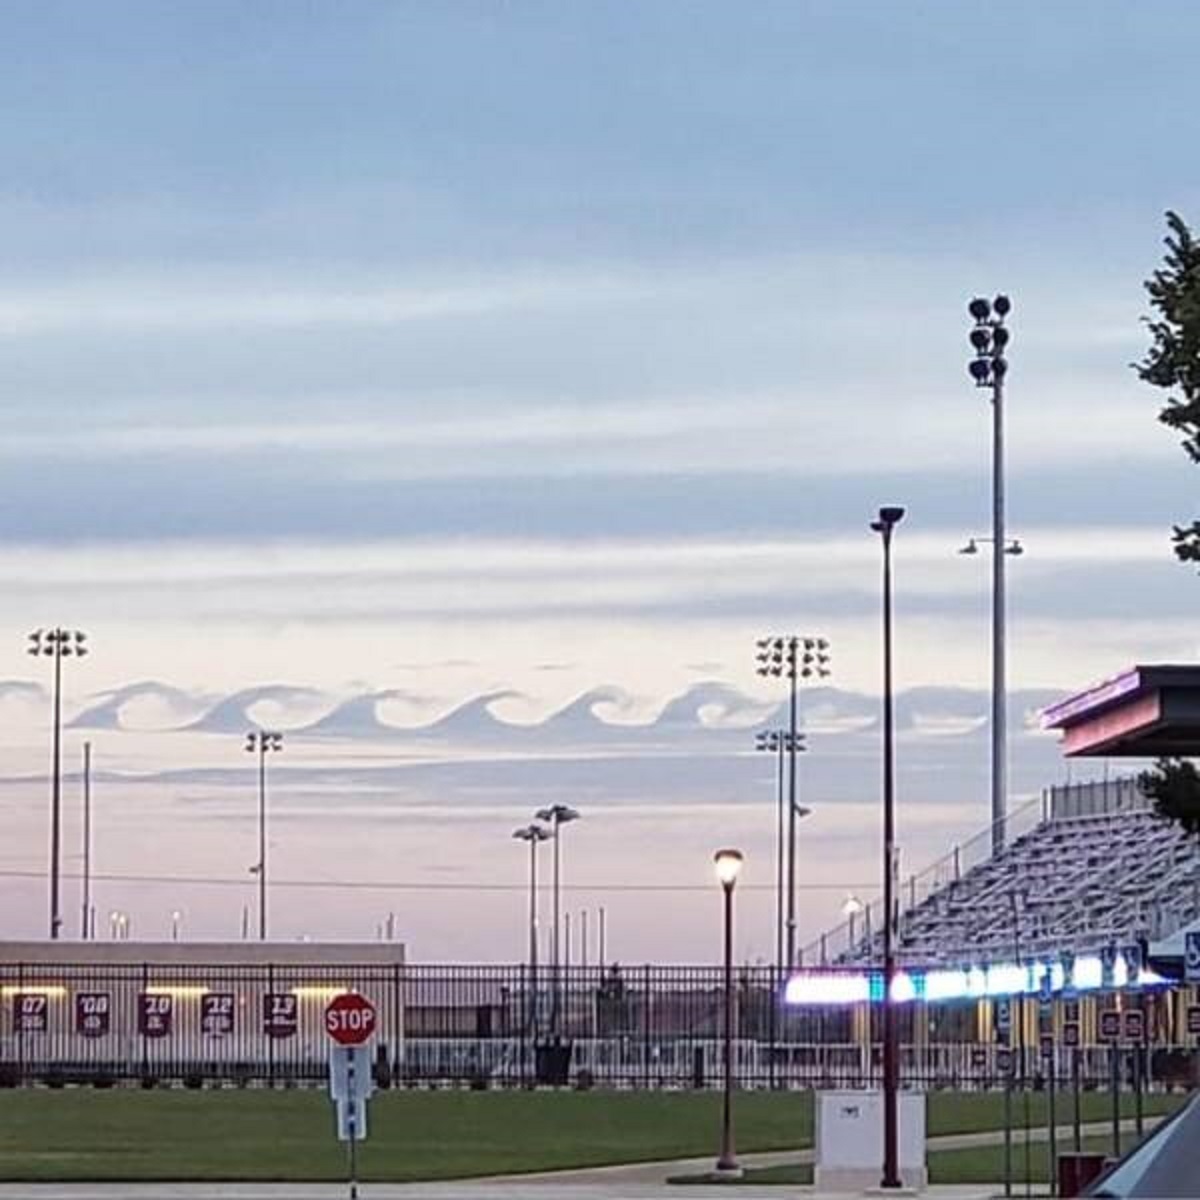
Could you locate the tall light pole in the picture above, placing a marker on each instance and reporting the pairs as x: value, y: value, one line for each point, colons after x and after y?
x: 782, y: 744
x: 262, y: 743
x: 728, y: 865
x: 57, y: 644
x: 556, y: 816
x: 889, y: 517
x: 86, y: 921
x: 795, y: 658
x: 534, y: 834
x: 989, y: 339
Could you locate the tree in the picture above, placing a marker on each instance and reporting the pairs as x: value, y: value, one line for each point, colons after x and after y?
x: 1174, y: 786
x: 1173, y: 360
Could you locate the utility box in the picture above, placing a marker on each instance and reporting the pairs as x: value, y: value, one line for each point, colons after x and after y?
x: 849, y: 1137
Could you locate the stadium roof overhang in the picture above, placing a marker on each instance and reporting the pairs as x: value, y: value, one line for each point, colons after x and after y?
x: 1145, y: 712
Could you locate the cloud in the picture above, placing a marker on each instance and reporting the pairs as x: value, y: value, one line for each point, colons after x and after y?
x: 252, y: 707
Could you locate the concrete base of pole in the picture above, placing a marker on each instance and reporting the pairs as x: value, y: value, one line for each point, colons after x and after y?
x: 727, y: 1169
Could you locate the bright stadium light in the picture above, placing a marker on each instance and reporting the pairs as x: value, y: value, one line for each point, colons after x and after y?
x: 989, y: 339
x: 56, y: 643
x: 797, y: 659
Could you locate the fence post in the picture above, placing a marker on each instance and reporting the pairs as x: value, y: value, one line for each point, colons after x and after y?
x: 646, y: 1025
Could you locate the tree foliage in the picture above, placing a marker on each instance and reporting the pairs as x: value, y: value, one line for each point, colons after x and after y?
x: 1174, y: 786
x: 1173, y: 360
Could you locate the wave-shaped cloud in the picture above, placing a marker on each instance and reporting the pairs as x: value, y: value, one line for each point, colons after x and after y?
x: 108, y: 711
x: 711, y: 712
x: 234, y: 715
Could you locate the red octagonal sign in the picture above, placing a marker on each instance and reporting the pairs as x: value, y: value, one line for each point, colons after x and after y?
x: 350, y: 1019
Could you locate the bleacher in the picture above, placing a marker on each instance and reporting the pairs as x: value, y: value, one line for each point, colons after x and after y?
x: 1100, y: 869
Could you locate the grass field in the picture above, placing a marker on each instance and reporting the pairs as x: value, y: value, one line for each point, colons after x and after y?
x: 288, y: 1135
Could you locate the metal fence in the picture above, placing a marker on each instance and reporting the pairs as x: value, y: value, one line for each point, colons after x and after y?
x: 496, y: 1026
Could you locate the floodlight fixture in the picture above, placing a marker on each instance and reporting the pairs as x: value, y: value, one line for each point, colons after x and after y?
x: 980, y: 309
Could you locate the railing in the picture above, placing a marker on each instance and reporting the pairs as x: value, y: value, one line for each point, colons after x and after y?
x: 867, y: 924
x: 629, y: 1027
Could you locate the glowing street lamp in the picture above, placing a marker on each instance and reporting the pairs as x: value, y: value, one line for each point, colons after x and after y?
x: 728, y: 865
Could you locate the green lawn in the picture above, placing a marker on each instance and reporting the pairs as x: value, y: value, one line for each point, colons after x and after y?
x: 985, y: 1164
x: 288, y: 1135
x: 977, y: 1112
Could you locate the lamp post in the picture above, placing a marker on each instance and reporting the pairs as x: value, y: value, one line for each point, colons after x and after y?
x: 989, y: 339
x: 556, y: 816
x: 534, y: 834
x: 57, y: 644
x: 728, y: 865
x: 262, y: 743
x: 852, y: 908
x: 796, y: 658
x: 889, y: 517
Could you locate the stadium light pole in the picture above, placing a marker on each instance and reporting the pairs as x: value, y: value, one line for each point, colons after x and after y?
x: 989, y: 339
x: 778, y: 742
x: 87, y: 920
x: 728, y: 866
x: 262, y: 742
x: 556, y: 816
x: 795, y: 658
x: 889, y: 517
x: 57, y: 644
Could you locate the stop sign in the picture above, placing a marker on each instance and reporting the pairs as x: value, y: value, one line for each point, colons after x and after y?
x: 350, y: 1019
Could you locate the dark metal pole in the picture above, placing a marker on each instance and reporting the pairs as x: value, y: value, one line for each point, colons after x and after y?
x: 781, y: 834
x: 999, y: 685
x: 533, y: 946
x: 1051, y: 1061
x: 1078, y: 1102
x: 1008, y: 1116
x: 262, y: 838
x: 1114, y: 1071
x: 728, y: 1159
x: 56, y: 790
x: 891, y: 1063
x: 557, y: 927
x: 791, y: 816
x: 85, y: 923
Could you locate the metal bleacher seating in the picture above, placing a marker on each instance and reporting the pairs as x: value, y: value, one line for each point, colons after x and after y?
x: 1101, y: 869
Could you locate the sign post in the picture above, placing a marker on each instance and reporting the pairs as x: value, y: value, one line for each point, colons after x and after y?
x: 1191, y: 956
x: 350, y: 1021
x: 1110, y: 1033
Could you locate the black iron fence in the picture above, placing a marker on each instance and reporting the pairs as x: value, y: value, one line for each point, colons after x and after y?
x: 502, y: 1026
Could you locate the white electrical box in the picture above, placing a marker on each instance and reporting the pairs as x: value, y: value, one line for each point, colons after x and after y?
x: 849, y: 1139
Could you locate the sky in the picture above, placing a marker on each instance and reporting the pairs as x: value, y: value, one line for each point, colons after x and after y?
x: 363, y: 364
